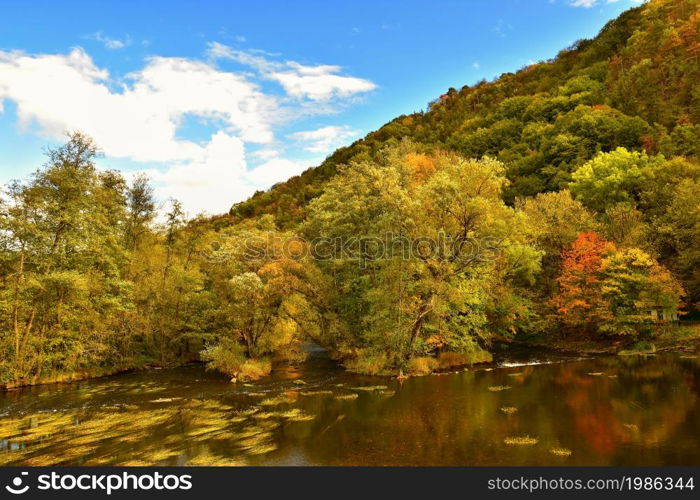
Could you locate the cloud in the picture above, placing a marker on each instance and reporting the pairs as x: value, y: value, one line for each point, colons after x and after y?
x: 587, y: 4
x: 110, y: 43
x: 324, y: 139
x: 212, y: 180
x: 137, y: 118
x: 265, y: 154
x: 274, y: 170
x: 216, y: 50
x: 501, y: 28
x: 583, y: 3
x: 316, y: 83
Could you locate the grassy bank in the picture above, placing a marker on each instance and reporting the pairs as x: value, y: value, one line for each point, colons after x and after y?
x: 662, y: 338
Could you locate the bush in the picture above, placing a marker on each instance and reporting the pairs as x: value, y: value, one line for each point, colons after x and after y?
x: 449, y: 359
x: 422, y: 366
x: 368, y: 364
x: 671, y: 333
x: 253, y: 369
x: 292, y: 354
x: 229, y: 357
x: 642, y: 347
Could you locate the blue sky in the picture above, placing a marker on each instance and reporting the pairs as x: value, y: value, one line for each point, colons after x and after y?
x: 215, y: 99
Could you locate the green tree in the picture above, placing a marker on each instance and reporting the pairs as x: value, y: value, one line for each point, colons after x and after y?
x: 435, y: 244
x: 63, y: 257
x: 554, y: 222
x: 631, y: 282
x: 635, y: 179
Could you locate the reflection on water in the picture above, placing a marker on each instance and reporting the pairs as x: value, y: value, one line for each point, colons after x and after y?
x: 603, y: 411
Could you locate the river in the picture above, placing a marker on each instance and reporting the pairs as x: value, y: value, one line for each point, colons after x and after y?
x: 525, y: 410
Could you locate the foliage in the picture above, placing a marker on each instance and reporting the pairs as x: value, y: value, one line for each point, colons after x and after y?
x: 421, y: 366
x: 580, y: 302
x: 436, y: 247
x: 63, y: 297
x: 608, y: 290
x: 229, y: 357
x: 226, y: 356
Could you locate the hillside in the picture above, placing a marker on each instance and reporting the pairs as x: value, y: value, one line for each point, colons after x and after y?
x: 555, y: 206
x: 634, y: 85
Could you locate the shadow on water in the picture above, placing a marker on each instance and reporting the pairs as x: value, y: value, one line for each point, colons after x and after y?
x: 528, y: 409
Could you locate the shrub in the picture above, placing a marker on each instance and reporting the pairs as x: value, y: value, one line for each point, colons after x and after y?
x: 229, y: 357
x: 368, y: 364
x: 291, y: 353
x: 642, y: 347
x: 253, y: 369
x: 453, y: 359
x: 422, y: 366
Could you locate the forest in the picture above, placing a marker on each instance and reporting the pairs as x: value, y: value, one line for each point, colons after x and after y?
x: 554, y: 206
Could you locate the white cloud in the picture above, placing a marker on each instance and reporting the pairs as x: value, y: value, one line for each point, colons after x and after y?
x: 137, y: 118
x: 273, y: 171
x: 61, y: 92
x: 111, y: 43
x: 587, y: 4
x: 216, y: 50
x: 317, y: 83
x: 265, y: 154
x: 324, y: 139
x: 210, y: 182
x: 501, y: 28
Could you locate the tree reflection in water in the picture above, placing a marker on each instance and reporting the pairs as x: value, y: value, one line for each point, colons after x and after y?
x: 638, y: 410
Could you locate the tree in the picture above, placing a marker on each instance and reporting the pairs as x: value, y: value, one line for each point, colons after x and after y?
x: 631, y: 178
x: 141, y: 210
x: 434, y: 246
x: 612, y: 178
x: 63, y: 262
x: 608, y: 290
x: 631, y: 282
x: 555, y: 220
x: 580, y: 302
x: 678, y: 236
x: 258, y: 285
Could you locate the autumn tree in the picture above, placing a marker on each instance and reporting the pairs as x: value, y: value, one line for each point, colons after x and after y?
x: 436, y: 246
x: 580, y: 303
x: 609, y: 290
x: 554, y: 221
x: 632, y: 178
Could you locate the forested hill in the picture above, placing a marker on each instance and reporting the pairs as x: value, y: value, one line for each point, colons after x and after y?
x: 635, y: 85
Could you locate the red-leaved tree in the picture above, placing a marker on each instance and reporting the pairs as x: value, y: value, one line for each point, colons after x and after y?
x: 580, y: 302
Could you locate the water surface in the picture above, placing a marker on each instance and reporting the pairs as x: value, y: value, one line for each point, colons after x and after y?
x: 639, y: 410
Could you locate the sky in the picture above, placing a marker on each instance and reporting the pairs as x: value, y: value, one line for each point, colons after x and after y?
x: 214, y: 100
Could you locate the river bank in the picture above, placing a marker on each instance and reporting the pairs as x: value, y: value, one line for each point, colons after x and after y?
x: 674, y: 338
